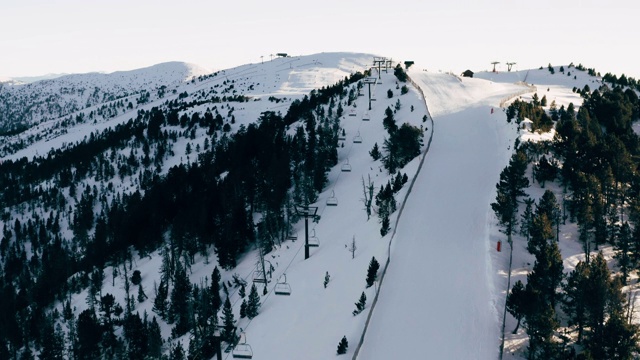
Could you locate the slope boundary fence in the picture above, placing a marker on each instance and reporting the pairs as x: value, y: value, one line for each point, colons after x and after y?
x: 530, y: 88
x: 395, y: 227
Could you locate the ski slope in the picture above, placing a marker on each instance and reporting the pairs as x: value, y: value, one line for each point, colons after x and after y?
x: 437, y: 299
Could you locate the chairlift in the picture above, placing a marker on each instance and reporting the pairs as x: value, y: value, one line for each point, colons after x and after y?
x: 342, y: 135
x: 314, y: 241
x: 282, y: 287
x: 346, y: 167
x: 258, y: 276
x: 243, y: 350
x: 332, y: 200
x: 357, y: 139
x: 352, y: 112
x: 366, y: 117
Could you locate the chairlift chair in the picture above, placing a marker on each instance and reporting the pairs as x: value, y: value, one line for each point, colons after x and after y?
x: 357, y: 139
x: 258, y: 276
x: 342, y: 135
x: 366, y: 117
x: 352, y: 112
x: 243, y: 350
x: 346, y: 167
x: 282, y: 287
x: 332, y: 200
x: 314, y: 241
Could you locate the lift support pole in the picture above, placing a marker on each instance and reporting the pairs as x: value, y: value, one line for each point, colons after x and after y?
x: 307, y: 212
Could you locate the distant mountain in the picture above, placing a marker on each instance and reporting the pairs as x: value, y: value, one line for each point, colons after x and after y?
x: 23, y: 105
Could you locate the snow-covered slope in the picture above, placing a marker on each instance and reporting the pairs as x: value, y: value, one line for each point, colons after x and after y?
x: 443, y: 294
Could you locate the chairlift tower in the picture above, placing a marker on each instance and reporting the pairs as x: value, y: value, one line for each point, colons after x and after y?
x: 379, y: 61
x: 494, y: 65
x: 388, y: 64
x: 369, y: 81
x: 307, y: 212
x: 510, y: 65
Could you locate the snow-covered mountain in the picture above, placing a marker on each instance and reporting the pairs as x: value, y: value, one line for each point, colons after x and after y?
x: 441, y: 288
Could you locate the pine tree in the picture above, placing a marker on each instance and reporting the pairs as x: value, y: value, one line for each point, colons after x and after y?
x: 242, y: 291
x: 180, y: 294
x: 160, y: 301
x: 89, y: 333
x: 516, y: 303
x: 372, y: 271
x: 385, y: 226
x: 52, y: 343
x: 343, y: 345
x: 228, y: 321
x: 375, y: 152
x: 574, y: 301
x: 243, y: 309
x: 253, y: 305
x: 177, y: 352
x: 623, y: 248
x: 216, y: 301
x: 141, y: 295
x: 360, y: 305
x: 326, y: 279
x: 154, y: 340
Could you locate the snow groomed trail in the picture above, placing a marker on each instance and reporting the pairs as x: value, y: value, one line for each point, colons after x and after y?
x: 438, y: 299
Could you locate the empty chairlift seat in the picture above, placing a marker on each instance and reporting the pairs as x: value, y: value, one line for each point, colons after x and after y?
x: 346, y: 167
x: 314, y: 241
x: 332, y: 200
x: 357, y: 139
x: 242, y: 350
x: 282, y: 287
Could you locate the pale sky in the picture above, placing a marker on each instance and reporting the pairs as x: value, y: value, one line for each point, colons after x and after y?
x: 74, y: 36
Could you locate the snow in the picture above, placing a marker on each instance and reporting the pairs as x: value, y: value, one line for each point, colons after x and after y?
x: 443, y: 292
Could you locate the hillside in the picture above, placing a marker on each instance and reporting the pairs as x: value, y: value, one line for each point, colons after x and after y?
x: 172, y: 175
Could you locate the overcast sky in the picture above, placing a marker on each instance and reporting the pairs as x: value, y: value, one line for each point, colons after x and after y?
x: 73, y: 36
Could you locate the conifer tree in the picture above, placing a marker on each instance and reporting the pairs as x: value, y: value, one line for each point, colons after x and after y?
x: 253, y: 305
x: 361, y: 304
x: 243, y: 309
x: 216, y: 301
x: 228, y: 321
x: 177, y: 353
x: 343, y: 345
x: 160, y: 301
x: 141, y: 295
x: 154, y: 342
x: 52, y: 343
x: 375, y: 152
x: 574, y: 301
x: 623, y: 251
x: 180, y: 298
x: 517, y: 303
x: 372, y: 271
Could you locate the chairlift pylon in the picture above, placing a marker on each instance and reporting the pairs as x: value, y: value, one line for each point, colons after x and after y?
x: 282, y: 287
x: 332, y: 200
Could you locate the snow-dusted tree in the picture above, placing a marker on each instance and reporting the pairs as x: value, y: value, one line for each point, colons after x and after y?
x: 343, y: 345
x: 360, y: 305
x: 228, y: 323
x: 253, y: 305
x: 372, y: 272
